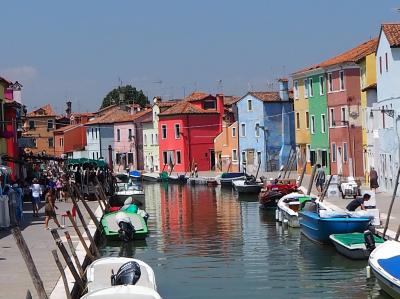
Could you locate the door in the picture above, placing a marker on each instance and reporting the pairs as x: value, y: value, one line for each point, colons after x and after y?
x: 339, y: 160
x: 250, y: 157
x: 212, y: 159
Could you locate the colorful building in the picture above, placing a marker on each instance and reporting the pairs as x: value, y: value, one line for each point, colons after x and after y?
x: 226, y: 147
x: 186, y: 133
x: 40, y: 125
x: 386, y: 110
x: 266, y: 129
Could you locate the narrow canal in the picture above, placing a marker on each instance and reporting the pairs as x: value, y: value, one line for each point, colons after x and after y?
x: 207, y: 243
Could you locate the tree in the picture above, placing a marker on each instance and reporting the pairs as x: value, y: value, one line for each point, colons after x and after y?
x: 130, y: 96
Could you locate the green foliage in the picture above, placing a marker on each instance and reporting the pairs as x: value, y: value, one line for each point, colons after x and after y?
x: 131, y: 96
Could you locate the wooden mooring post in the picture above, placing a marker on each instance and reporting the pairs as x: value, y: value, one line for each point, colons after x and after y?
x: 26, y: 255
x: 73, y: 252
x: 391, y: 203
x: 79, y: 234
x: 303, y: 171
x: 311, y: 182
x: 67, y: 258
x: 61, y: 269
x: 85, y: 227
x: 88, y: 209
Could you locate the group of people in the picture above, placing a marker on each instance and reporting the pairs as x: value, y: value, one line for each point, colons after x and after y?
x: 357, y: 202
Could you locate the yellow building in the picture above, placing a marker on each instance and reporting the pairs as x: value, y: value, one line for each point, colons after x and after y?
x: 302, y: 124
x: 368, y: 97
x: 226, y: 149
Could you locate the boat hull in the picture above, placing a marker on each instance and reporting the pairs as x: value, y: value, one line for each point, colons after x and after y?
x: 110, y: 226
x: 123, y: 292
x: 150, y: 178
x: 248, y: 189
x: 226, y: 179
x: 292, y: 220
x: 319, y: 229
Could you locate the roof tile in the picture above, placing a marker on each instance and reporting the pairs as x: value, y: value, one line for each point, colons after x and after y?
x: 392, y: 32
x: 186, y: 107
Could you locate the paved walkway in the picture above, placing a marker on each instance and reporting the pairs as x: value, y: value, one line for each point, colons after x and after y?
x: 14, y: 276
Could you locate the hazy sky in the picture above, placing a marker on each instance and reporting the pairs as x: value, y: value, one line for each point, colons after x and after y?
x: 80, y: 49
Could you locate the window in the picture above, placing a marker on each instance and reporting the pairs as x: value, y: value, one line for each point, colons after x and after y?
x: 177, y: 131
x: 321, y: 86
x: 296, y: 89
x: 341, y: 80
x: 118, y: 135
x: 306, y: 88
x: 333, y: 152
x: 96, y: 130
x: 312, y: 158
x: 178, y: 157
x: 97, y: 155
x: 307, y: 120
x: 152, y: 139
x: 243, y: 157
x: 233, y: 132
x: 234, y: 155
x: 51, y: 141
x: 380, y: 65
x: 323, y: 123
x: 330, y: 83
x: 34, y: 142
x: 308, y: 152
x: 165, y: 158
x: 331, y: 117
x: 130, y: 158
x: 344, y: 151
x: 92, y: 133
x: 61, y: 142
x: 210, y: 104
x: 312, y: 124
x: 31, y: 125
x: 243, y: 131
x: 130, y: 134
x: 310, y: 89
x: 50, y: 124
x: 164, y: 132
x: 93, y: 155
x: 249, y: 105
x: 386, y: 62
x: 257, y: 130
x: 145, y: 139
x: 324, y: 158
x: 297, y: 120
x: 259, y: 161
x: 343, y: 114
x: 156, y: 141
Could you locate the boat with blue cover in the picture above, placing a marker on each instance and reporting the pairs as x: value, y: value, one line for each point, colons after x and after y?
x: 135, y: 174
x: 385, y: 264
x: 317, y: 222
x: 227, y: 178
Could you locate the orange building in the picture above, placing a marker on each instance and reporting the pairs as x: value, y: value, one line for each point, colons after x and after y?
x: 226, y: 149
x: 40, y: 125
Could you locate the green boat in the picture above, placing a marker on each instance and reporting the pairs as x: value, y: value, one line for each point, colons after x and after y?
x: 352, y: 245
x: 111, y: 228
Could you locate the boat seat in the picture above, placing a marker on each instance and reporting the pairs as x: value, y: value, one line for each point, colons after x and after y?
x: 113, y: 226
x: 391, y: 265
x: 310, y: 206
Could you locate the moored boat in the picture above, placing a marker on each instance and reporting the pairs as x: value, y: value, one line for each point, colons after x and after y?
x: 355, y: 245
x: 119, y: 197
x: 135, y: 174
x: 123, y: 292
x: 244, y: 186
x: 151, y: 177
x: 385, y: 264
x: 288, y: 207
x: 99, y: 273
x: 177, y: 179
x: 227, y: 178
x: 124, y: 225
x: 318, y: 223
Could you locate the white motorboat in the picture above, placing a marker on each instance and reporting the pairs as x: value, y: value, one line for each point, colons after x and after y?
x: 288, y: 206
x: 123, y: 292
x: 100, y: 271
x: 243, y: 186
x: 385, y: 264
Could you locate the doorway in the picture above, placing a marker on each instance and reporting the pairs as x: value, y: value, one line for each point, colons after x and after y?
x: 212, y: 159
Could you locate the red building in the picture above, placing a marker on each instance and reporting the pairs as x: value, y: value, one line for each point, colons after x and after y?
x: 344, y: 110
x: 187, y: 131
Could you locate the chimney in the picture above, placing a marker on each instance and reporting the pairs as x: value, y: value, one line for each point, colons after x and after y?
x: 283, y: 89
x: 16, y: 92
x: 68, y: 111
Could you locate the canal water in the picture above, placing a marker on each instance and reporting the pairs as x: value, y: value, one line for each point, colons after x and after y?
x: 208, y: 243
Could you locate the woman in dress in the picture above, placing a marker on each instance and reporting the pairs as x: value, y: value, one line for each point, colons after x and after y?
x: 50, y: 208
x: 373, y: 179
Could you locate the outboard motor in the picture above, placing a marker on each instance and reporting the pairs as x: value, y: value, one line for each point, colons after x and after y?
x: 126, y: 229
x: 128, y: 274
x: 369, y: 240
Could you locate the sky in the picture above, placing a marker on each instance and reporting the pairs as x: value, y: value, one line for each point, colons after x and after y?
x: 79, y: 50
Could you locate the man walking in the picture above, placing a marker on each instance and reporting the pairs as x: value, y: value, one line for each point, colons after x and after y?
x: 320, y: 179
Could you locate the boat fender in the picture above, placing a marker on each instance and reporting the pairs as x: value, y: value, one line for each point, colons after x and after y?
x: 128, y: 274
x: 369, y: 240
x: 277, y: 214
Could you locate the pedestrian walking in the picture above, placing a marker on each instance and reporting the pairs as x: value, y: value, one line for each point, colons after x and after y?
x: 373, y: 179
x: 320, y: 179
x: 36, y: 193
x: 50, y: 208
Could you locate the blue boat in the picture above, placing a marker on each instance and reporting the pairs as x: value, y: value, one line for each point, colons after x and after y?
x: 134, y: 174
x: 318, y: 228
x: 385, y: 264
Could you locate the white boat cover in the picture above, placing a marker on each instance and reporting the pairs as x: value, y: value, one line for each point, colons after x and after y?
x: 123, y: 292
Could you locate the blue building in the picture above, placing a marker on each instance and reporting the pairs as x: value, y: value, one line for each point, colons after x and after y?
x: 266, y: 129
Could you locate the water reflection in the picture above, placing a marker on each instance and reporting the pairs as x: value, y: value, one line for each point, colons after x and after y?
x: 207, y: 242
